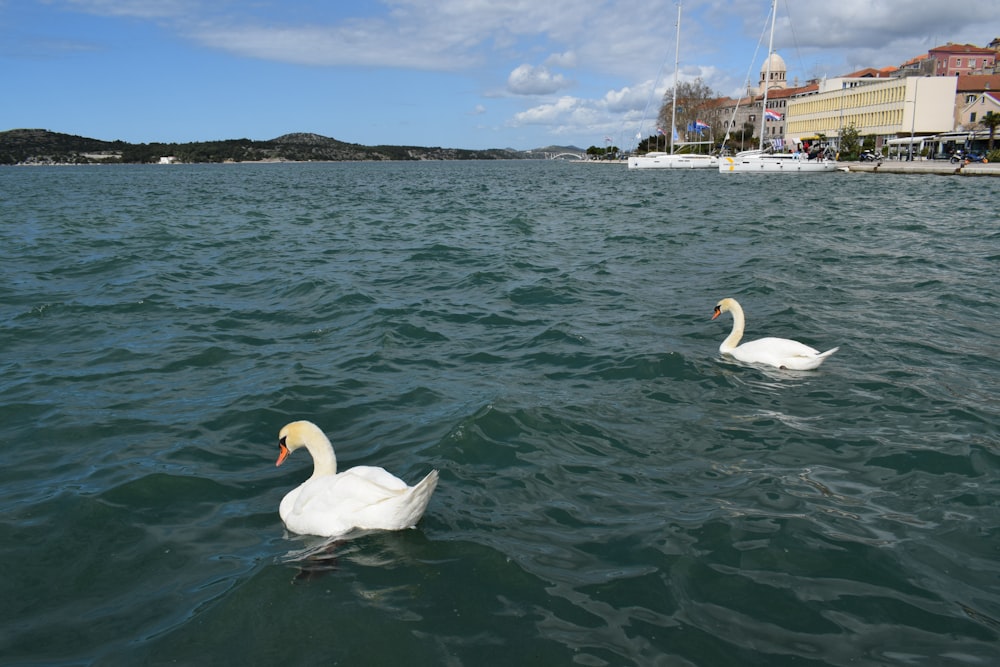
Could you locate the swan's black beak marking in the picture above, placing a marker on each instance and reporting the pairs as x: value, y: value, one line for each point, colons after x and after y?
x: 718, y: 311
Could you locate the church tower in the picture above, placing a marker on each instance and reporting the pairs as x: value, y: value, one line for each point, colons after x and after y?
x: 777, y: 77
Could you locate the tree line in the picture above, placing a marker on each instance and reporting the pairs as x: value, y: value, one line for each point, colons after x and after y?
x: 45, y: 147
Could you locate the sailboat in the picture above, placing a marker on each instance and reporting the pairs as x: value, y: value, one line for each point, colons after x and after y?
x: 672, y: 160
x: 765, y: 160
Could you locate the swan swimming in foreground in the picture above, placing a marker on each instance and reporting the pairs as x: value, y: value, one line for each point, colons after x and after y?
x: 780, y: 352
x: 330, y: 504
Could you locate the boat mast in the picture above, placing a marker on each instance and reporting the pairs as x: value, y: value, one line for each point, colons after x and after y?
x: 677, y: 58
x: 767, y: 74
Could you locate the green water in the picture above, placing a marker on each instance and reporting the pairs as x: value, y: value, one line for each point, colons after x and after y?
x: 613, y: 492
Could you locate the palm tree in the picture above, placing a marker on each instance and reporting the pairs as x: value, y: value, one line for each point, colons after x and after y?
x: 991, y: 120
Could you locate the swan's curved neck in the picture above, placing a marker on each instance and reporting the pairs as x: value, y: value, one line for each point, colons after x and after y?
x: 734, y: 337
x: 324, y: 460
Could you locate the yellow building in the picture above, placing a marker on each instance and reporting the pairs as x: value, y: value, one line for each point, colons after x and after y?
x: 886, y: 108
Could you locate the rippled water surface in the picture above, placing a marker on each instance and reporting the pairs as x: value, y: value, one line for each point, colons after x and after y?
x: 612, y: 492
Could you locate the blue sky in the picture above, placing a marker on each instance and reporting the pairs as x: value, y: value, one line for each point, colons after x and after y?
x: 454, y: 73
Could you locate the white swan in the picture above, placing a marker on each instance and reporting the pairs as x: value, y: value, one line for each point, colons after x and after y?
x: 780, y: 352
x: 330, y: 504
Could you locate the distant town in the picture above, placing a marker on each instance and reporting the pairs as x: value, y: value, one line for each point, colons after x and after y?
x: 930, y: 106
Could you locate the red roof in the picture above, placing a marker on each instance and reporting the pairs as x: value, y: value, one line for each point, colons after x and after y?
x: 914, y: 61
x: 975, y: 83
x: 870, y: 73
x: 779, y: 93
x: 963, y: 49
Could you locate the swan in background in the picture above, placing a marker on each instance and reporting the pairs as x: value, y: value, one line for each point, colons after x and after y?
x: 330, y: 504
x: 780, y: 352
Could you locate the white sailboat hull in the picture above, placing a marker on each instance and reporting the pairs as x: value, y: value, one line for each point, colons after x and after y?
x: 763, y: 161
x: 672, y: 161
x: 758, y: 162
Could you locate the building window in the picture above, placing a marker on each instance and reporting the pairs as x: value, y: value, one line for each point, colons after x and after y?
x: 972, y: 117
x: 969, y: 99
x: 958, y: 62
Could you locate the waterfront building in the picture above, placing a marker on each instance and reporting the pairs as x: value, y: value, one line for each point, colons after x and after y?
x: 886, y: 108
x: 955, y: 59
x: 970, y: 98
x: 927, y: 95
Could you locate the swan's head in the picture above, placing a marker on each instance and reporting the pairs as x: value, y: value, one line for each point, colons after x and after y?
x: 295, y: 435
x: 724, y: 306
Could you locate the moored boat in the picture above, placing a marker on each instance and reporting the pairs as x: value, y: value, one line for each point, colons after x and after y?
x: 763, y: 161
x: 673, y: 160
x: 766, y: 160
x: 660, y: 160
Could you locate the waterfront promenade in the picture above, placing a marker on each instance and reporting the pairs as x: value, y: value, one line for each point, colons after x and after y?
x: 941, y: 167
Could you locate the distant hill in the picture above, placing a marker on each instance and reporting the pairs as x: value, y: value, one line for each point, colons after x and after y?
x: 46, y: 147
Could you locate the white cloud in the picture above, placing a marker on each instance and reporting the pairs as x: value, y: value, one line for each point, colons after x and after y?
x: 140, y: 9
x: 364, y: 42
x: 551, y: 113
x: 529, y: 80
x: 631, y: 98
x: 567, y: 115
x: 567, y: 59
x: 611, y: 53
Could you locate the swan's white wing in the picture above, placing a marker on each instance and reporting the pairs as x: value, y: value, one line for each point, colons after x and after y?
x: 379, y: 477
x: 348, y: 491
x: 362, y: 497
x: 781, y: 353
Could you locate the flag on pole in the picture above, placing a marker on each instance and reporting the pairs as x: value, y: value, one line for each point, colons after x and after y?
x: 700, y: 125
x: 660, y: 131
x: 772, y: 115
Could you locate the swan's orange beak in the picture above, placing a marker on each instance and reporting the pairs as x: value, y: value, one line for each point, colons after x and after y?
x: 718, y: 311
x: 282, y: 454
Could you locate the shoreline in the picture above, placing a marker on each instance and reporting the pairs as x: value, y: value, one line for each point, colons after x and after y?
x: 936, y: 167
x: 933, y: 167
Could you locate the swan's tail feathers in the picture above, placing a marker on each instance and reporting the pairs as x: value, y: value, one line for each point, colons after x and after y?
x: 420, y: 497
x: 815, y: 361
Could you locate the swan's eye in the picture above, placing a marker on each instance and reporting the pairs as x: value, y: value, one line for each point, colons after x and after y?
x: 281, y: 441
x: 717, y: 310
